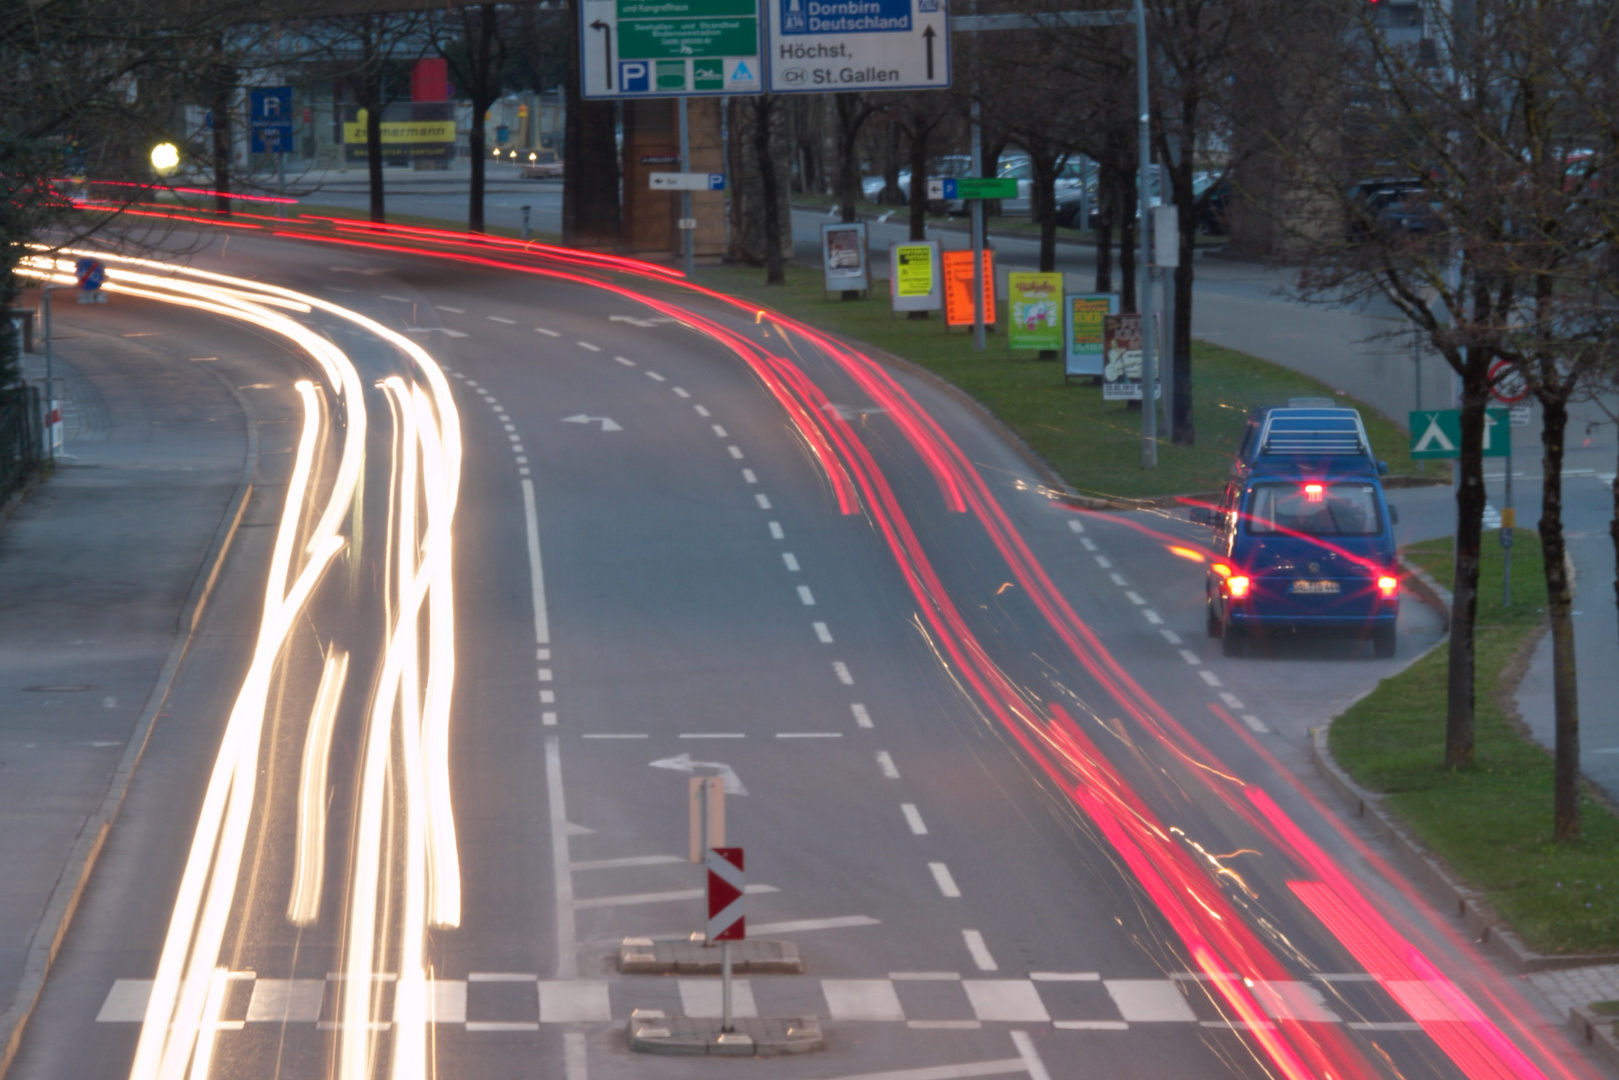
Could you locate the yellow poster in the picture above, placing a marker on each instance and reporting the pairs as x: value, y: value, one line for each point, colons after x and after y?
x: 402, y: 131
x: 915, y: 270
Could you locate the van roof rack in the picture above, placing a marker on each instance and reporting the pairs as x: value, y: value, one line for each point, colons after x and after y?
x: 1313, y: 432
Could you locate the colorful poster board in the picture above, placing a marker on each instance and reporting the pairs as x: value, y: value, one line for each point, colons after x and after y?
x: 1034, y: 311
x: 1121, y: 371
x: 914, y: 276
x: 1084, y: 336
x: 843, y: 256
x: 958, y: 288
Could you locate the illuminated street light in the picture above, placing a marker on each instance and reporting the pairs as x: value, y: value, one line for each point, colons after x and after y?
x: 165, y: 158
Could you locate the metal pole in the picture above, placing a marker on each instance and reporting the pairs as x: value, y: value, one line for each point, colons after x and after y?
x: 1149, y: 399
x: 1509, y: 521
x: 525, y: 223
x: 725, y: 976
x: 977, y: 206
x: 50, y: 381
x: 686, y: 237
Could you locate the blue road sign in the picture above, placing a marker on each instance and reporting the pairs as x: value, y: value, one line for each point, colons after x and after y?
x: 716, y: 181
x: 91, y: 274
x: 270, y: 118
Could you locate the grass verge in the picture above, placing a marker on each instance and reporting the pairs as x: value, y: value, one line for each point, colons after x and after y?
x: 1492, y: 823
x: 1094, y: 445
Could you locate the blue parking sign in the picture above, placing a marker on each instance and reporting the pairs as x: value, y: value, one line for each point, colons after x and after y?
x: 635, y: 76
x: 269, y: 112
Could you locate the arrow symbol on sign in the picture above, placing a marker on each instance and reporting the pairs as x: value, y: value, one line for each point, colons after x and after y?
x: 607, y: 46
x: 928, y: 35
x: 607, y: 425
x: 684, y: 763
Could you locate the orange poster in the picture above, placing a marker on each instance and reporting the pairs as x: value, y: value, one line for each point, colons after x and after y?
x: 958, y: 288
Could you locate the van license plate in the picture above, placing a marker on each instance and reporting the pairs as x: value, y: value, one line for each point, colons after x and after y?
x: 1315, y: 587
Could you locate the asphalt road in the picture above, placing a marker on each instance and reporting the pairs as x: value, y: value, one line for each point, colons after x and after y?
x: 1015, y: 809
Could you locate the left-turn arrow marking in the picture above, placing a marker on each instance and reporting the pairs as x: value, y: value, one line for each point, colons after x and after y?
x: 607, y: 425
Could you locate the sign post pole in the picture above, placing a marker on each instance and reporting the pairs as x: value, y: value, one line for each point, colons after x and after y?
x: 978, y: 232
x: 1149, y: 374
x: 686, y: 254
x: 726, y: 922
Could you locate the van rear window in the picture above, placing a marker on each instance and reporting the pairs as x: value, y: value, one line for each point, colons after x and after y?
x: 1314, y: 509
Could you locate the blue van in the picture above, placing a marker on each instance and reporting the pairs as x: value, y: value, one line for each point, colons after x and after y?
x: 1303, y: 536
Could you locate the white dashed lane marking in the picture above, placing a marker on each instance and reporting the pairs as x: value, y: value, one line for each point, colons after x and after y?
x: 546, y: 332
x: 775, y: 531
x: 886, y: 763
x: 979, y: 951
x: 805, y: 596
x: 500, y: 319
x: 763, y: 501
x: 861, y: 717
x: 913, y: 818
x: 1210, y: 677
x: 824, y: 636
x: 947, y: 884
x: 1255, y: 725
x: 588, y: 345
x: 1104, y: 562
x: 841, y: 670
x: 791, y: 560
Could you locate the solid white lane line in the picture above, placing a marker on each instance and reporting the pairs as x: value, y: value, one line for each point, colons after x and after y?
x: 1152, y: 616
x: 547, y: 333
x: 841, y: 670
x: 610, y: 735
x: 1210, y: 677
x: 763, y: 501
x: 913, y: 818
x: 1171, y: 637
x: 1133, y: 597
x: 1232, y: 701
x: 796, y: 925
x: 1191, y: 657
x: 950, y: 1072
x: 637, y: 899
x: 809, y: 734
x: 924, y: 976
x: 700, y: 410
x: 588, y: 345
x: 1104, y: 562
x: 453, y: 310
x: 735, y: 452
x: 502, y: 976
x: 655, y: 376
x: 536, y: 570
x: 747, y: 475
x: 1087, y: 543
x: 806, y: 596
x: 886, y: 764
x: 1090, y: 1025
x: 980, y: 951
x: 791, y: 560
x: 1118, y: 579
x: 499, y: 319
x: 679, y: 392
x: 1064, y: 976
x: 720, y: 432
x: 1075, y: 525
x: 715, y: 735
x: 396, y: 299
x: 622, y: 863
x: 1256, y: 725
x: 947, y: 884
x: 567, y: 943
x: 861, y: 717
x: 775, y: 531
x: 625, y: 361
x: 822, y: 634
x: 945, y: 1025
x: 502, y: 1025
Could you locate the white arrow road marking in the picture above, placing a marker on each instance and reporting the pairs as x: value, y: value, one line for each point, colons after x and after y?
x: 684, y: 763
x: 607, y: 425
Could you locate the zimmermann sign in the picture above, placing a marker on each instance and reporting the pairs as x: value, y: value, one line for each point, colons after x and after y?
x: 820, y: 45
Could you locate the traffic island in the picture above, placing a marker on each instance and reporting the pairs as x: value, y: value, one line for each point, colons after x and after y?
x: 683, y: 956
x: 651, y: 1032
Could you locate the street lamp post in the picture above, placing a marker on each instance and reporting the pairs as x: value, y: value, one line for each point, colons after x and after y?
x: 1149, y: 381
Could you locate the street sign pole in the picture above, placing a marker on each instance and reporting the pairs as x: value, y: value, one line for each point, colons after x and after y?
x: 978, y: 224
x: 686, y: 235
x: 1149, y: 380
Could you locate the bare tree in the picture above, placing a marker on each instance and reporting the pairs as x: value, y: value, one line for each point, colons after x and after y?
x: 473, y: 42
x: 1470, y: 185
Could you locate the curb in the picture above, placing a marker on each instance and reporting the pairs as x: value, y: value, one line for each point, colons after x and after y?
x: 651, y: 1032
x: 755, y: 956
x: 1597, y: 1033
x: 1467, y: 905
x: 64, y: 901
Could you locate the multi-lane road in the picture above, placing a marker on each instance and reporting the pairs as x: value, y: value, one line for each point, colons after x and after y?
x: 427, y: 766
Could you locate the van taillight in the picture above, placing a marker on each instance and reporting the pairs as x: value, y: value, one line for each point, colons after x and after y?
x: 1388, y: 585
x: 1237, y: 584
x: 1312, y: 493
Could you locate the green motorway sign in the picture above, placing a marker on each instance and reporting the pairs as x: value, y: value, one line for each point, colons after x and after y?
x: 1437, y: 433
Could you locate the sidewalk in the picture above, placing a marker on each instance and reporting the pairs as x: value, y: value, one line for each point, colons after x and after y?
x: 101, y: 567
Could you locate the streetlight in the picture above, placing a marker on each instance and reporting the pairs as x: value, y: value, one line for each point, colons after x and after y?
x: 165, y: 159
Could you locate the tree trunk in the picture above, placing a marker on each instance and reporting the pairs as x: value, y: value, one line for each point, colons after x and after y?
x: 1470, y: 498
x: 1043, y: 206
x: 224, y: 80
x: 1560, y: 608
x: 851, y: 118
x: 919, y: 183
x: 763, y: 121
x: 1106, y: 199
x: 373, y: 148
x: 482, y: 62
x: 1613, y: 534
x: 476, y: 147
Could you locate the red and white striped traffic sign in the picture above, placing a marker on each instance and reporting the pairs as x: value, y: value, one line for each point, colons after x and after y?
x: 725, y: 889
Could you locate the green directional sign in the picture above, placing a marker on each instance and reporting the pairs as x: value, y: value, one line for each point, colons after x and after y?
x: 985, y: 187
x: 1437, y: 433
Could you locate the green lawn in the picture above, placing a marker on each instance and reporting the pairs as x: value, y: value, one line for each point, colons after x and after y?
x: 1491, y: 823
x: 1095, y: 446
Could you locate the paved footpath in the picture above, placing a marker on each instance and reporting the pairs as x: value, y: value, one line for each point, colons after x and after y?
x: 101, y: 566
